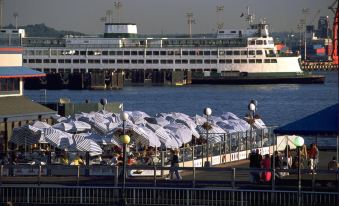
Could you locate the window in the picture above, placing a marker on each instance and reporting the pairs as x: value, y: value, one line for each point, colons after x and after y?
x: 148, y: 61
x: 184, y: 61
x: 68, y: 61
x: 163, y: 61
x: 192, y: 52
x: 185, y: 53
x: 111, y: 61
x: 222, y: 61
x: 105, y: 53
x: 207, y: 61
x: 9, y: 84
x: 126, y: 61
x: 228, y: 61
x: 46, y: 61
x: 119, y: 53
x: 53, y: 61
x: 134, y: 61
x: 251, y: 52
x: 259, y: 42
x: 207, y: 53
x: 214, y: 61
x: 267, y: 61
x: 61, y: 61
x: 148, y: 53
x: 236, y: 52
x: 251, y: 61
x: 104, y: 61
x: 192, y: 61
x: 177, y: 61
x: 258, y: 60
x: 221, y: 53
x: 214, y: 52
x: 259, y: 52
x: 83, y: 53
x: 156, y: 53
x: 141, y: 53
x: 274, y: 61
x: 140, y: 61
x: 82, y: 61
x: 243, y: 53
x: 162, y: 53
x: 170, y: 61
x: 237, y: 61
x: 252, y: 42
x: 111, y: 53
x: 38, y: 61
x: 24, y: 61
x: 127, y: 53
x: 155, y: 61
x: 170, y: 53
x: 134, y: 53
x: 199, y: 61
x: 243, y: 61
x: 90, y: 53
x: 229, y: 53
x: 119, y: 61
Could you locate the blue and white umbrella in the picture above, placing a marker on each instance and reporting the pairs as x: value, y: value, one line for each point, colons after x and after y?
x: 167, y: 140
x: 63, y: 126
x: 180, y: 132
x: 57, y: 138
x: 26, y: 135
x: 83, y: 144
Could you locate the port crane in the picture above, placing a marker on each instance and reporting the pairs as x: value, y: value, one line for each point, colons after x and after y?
x: 335, y: 9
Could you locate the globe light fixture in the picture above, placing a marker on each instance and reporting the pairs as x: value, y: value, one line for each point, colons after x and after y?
x: 207, y: 112
x: 125, y: 139
x: 298, y: 141
x: 124, y: 116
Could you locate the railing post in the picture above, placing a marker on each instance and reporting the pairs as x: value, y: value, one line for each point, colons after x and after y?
x: 27, y: 195
x: 162, y: 162
x: 80, y: 195
x: 193, y: 177
x: 116, y: 176
x: 233, y: 178
x: 39, y: 175
x: 1, y: 173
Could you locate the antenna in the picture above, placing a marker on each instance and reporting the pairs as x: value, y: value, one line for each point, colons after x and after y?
x: 305, y: 11
x: 1, y: 5
x: 118, y: 6
x: 15, y: 15
x: 220, y: 10
x: 249, y: 17
x: 190, y: 21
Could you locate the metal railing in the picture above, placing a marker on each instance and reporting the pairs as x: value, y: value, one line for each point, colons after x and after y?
x: 162, y: 196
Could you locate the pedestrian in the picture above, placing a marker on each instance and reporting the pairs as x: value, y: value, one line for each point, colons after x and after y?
x: 174, y: 165
x: 253, y: 157
x: 333, y: 164
x: 313, y: 155
x: 303, y: 156
x: 266, y: 164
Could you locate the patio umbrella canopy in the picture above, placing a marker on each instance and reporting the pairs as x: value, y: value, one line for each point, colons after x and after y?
x: 26, y: 135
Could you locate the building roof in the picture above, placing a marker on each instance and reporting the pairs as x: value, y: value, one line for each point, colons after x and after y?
x: 19, y: 72
x: 324, y: 122
x: 20, y: 106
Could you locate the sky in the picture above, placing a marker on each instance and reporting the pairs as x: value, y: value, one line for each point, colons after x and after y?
x: 162, y: 16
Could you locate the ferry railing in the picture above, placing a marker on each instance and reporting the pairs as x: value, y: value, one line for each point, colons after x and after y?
x: 161, y: 196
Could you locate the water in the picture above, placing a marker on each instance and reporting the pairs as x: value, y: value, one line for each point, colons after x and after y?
x: 277, y: 104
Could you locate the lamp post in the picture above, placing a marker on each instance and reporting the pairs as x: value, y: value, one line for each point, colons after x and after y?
x: 298, y: 142
x: 252, y: 106
x: 207, y: 112
x: 125, y: 140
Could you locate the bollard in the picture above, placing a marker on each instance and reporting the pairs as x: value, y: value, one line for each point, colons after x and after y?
x: 233, y: 180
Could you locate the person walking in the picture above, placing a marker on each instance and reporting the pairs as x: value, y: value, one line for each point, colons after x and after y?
x: 266, y: 164
x: 174, y: 165
x: 314, y: 157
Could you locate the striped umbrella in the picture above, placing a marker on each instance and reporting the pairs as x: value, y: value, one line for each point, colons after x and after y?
x: 215, y: 133
x: 25, y: 135
x: 83, y: 144
x: 163, y: 136
x: 41, y: 125
x: 102, y: 140
x: 63, y: 126
x: 79, y: 126
x: 180, y: 131
x: 58, y: 138
x: 137, y: 117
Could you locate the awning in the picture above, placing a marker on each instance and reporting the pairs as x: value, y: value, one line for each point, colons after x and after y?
x: 19, y: 72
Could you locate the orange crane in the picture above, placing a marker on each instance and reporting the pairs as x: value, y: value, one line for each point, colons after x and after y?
x: 335, y: 58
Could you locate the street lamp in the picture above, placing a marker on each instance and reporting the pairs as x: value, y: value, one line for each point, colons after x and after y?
x: 298, y: 142
x: 252, y: 106
x: 207, y: 112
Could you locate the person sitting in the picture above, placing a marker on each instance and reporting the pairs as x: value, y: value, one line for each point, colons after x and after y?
x: 333, y: 164
x: 78, y: 161
x: 131, y: 160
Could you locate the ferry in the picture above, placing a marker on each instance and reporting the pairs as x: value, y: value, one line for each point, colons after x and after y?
x: 120, y: 57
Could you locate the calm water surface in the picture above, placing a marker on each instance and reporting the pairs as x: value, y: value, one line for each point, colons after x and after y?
x: 277, y: 104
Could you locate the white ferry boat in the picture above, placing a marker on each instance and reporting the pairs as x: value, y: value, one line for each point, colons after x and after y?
x: 246, y: 56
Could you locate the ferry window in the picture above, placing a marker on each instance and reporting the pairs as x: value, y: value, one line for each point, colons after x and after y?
x: 207, y: 61
x: 83, y: 53
x: 38, y: 52
x: 184, y: 61
x: 46, y: 52
x: 148, y: 53
x: 199, y: 61
x: 126, y: 61
x: 61, y: 61
x: 267, y: 61
x: 105, y: 53
x: 46, y: 61
x: 134, y: 53
x: 244, y: 61
x: 228, y: 61
x: 53, y: 61
x: 97, y: 61
x: 104, y: 61
x: 258, y: 60
x: 119, y: 61
x: 259, y: 52
x: 236, y: 52
x: 162, y: 53
x: 148, y: 61
x: 127, y: 53
x: 82, y: 61
x: 170, y: 53
x: 111, y: 53
x: 237, y: 61
x: 140, y: 61
x: 119, y: 53
x: 251, y: 52
x: 222, y: 61
x: 155, y: 61
x: 251, y: 61
x: 214, y: 53
x: 24, y: 61
x: 252, y: 42
x: 90, y: 53
x: 271, y: 52
x: 243, y: 52
x: 134, y: 61
x: 207, y: 53
x: 259, y: 42
x: 111, y: 61
x: 68, y: 61
x: 274, y: 61
x: 178, y: 61
x: 192, y: 52
x: 229, y: 53
x: 185, y: 53
x: 90, y: 61
x: 170, y: 61
x: 163, y: 61
x: 156, y: 53
x: 192, y: 61
x: 31, y: 52
x: 54, y: 52
x: 214, y: 61
x: 221, y: 52
x: 141, y: 53
x: 265, y: 43
x: 39, y: 61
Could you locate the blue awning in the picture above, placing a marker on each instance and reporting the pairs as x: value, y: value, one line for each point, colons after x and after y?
x: 324, y: 123
x: 19, y: 72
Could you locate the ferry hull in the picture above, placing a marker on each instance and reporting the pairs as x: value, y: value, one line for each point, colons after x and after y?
x: 243, y: 80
